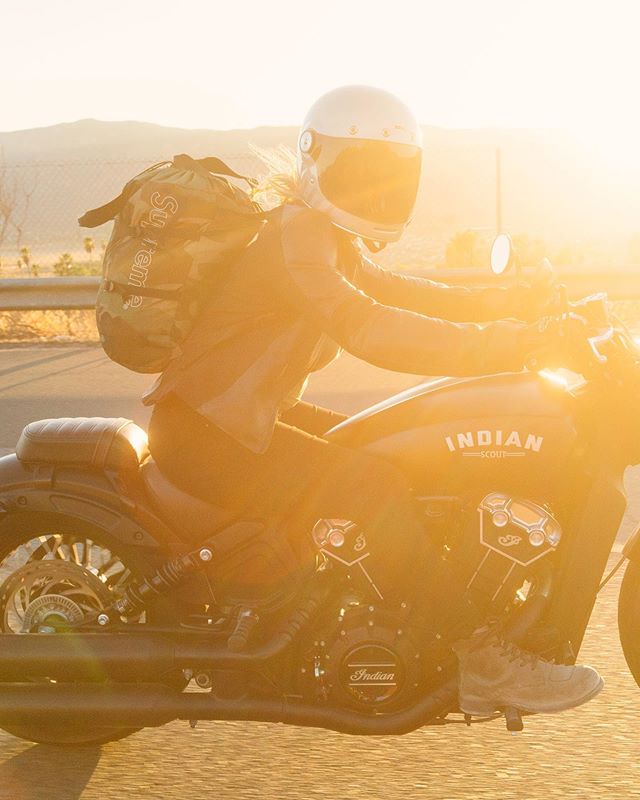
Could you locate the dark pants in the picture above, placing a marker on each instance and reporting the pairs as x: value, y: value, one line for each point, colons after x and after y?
x: 302, y: 477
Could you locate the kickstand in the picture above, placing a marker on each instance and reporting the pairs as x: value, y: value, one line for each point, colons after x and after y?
x: 513, y: 719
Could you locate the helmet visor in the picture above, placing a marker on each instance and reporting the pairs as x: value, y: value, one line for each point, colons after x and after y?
x: 376, y: 181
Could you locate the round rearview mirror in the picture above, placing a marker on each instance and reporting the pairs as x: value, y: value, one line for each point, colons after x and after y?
x: 501, y: 254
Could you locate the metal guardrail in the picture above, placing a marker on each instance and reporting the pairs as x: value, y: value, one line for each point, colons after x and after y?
x: 619, y: 284
x: 45, y: 294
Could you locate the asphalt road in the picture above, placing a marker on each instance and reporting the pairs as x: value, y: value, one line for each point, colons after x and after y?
x: 591, y: 752
x: 79, y: 380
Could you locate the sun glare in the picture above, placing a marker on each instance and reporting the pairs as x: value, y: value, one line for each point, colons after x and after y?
x: 613, y: 146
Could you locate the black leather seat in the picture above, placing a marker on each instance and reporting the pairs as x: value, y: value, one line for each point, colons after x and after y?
x: 119, y: 444
x: 192, y: 518
x: 95, y: 442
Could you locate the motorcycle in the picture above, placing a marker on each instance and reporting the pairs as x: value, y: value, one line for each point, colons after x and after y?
x: 126, y: 602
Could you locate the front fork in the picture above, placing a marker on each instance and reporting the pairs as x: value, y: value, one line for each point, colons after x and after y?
x: 584, y: 558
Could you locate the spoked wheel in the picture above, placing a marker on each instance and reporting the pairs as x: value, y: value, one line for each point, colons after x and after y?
x: 56, y: 579
x: 52, y: 577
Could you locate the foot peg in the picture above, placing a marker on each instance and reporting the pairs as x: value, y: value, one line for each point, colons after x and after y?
x: 513, y: 718
x: 245, y: 625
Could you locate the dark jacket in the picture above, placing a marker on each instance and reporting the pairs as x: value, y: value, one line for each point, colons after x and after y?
x: 304, y: 290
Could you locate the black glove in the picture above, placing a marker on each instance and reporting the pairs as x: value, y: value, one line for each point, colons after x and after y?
x: 557, y: 342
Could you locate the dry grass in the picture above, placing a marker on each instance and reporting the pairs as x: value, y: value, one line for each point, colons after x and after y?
x: 48, y: 326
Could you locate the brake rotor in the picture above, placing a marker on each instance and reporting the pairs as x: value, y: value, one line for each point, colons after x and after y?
x: 53, y: 587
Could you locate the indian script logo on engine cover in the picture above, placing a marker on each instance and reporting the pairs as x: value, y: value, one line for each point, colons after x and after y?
x: 371, y: 673
x: 494, y: 444
x: 366, y: 673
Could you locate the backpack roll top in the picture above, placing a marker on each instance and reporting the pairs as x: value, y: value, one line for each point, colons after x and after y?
x: 178, y: 228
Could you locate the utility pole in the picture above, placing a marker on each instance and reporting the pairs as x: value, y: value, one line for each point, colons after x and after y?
x: 498, y: 191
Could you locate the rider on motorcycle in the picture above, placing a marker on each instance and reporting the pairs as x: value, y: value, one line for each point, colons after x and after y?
x: 229, y: 426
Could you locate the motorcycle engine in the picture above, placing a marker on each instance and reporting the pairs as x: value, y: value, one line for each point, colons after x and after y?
x: 372, y: 655
x: 491, y: 547
x: 496, y: 548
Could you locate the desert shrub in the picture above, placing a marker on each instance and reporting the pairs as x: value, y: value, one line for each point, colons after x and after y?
x: 89, y: 246
x: 464, y: 249
x: 25, y: 257
x: 63, y: 265
x: 66, y: 266
x: 530, y: 251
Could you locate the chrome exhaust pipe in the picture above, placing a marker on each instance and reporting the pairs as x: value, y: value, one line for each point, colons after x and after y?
x: 152, y: 705
x: 120, y: 656
x: 135, y: 655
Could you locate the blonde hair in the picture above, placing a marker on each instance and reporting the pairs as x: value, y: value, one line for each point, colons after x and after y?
x: 280, y: 184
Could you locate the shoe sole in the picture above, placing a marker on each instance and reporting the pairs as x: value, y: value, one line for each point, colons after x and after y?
x: 481, y: 710
x: 557, y: 709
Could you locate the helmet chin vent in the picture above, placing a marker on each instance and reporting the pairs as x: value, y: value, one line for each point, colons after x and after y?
x: 374, y: 247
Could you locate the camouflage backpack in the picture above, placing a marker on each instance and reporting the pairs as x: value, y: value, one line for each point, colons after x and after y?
x: 179, y: 226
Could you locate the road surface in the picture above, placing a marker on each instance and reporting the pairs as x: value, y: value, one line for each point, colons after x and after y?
x: 591, y: 752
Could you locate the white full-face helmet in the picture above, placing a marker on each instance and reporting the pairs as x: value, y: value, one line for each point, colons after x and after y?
x: 359, y: 161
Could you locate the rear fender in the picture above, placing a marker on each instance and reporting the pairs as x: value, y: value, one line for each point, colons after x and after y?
x: 90, y: 498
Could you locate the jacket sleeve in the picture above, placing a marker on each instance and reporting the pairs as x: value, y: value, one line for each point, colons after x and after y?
x: 457, y: 303
x: 387, y: 336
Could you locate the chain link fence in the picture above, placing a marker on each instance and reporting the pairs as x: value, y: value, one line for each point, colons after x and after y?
x: 454, y: 221
x: 40, y: 203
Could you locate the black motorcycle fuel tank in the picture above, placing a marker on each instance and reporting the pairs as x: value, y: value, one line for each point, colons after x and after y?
x: 512, y: 430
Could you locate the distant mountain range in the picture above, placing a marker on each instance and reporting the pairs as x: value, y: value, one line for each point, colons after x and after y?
x: 551, y: 188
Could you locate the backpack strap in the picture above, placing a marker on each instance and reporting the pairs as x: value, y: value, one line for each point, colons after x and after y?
x: 209, y: 164
x: 125, y: 290
x: 98, y: 216
x: 203, y: 166
x: 102, y: 214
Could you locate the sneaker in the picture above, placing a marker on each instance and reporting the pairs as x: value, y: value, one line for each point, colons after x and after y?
x: 494, y: 674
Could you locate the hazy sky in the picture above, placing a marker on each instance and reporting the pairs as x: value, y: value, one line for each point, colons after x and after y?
x: 461, y: 63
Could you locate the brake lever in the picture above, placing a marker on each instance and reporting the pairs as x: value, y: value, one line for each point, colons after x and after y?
x: 563, y: 299
x: 594, y: 343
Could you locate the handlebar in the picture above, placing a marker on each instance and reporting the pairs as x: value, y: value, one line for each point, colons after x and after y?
x: 594, y: 310
x: 609, y: 337
x: 605, y: 336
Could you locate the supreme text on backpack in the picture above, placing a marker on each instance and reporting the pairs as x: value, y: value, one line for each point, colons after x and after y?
x: 178, y: 227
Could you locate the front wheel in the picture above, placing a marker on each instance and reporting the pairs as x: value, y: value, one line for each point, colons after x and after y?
x: 629, y: 618
x: 52, y: 574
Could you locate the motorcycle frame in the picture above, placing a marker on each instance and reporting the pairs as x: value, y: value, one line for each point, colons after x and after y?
x: 121, y: 511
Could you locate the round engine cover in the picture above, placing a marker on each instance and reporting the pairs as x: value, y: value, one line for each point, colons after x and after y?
x: 372, y: 673
x: 371, y: 661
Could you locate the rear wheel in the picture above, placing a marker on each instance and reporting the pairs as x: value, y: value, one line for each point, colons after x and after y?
x: 52, y: 575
